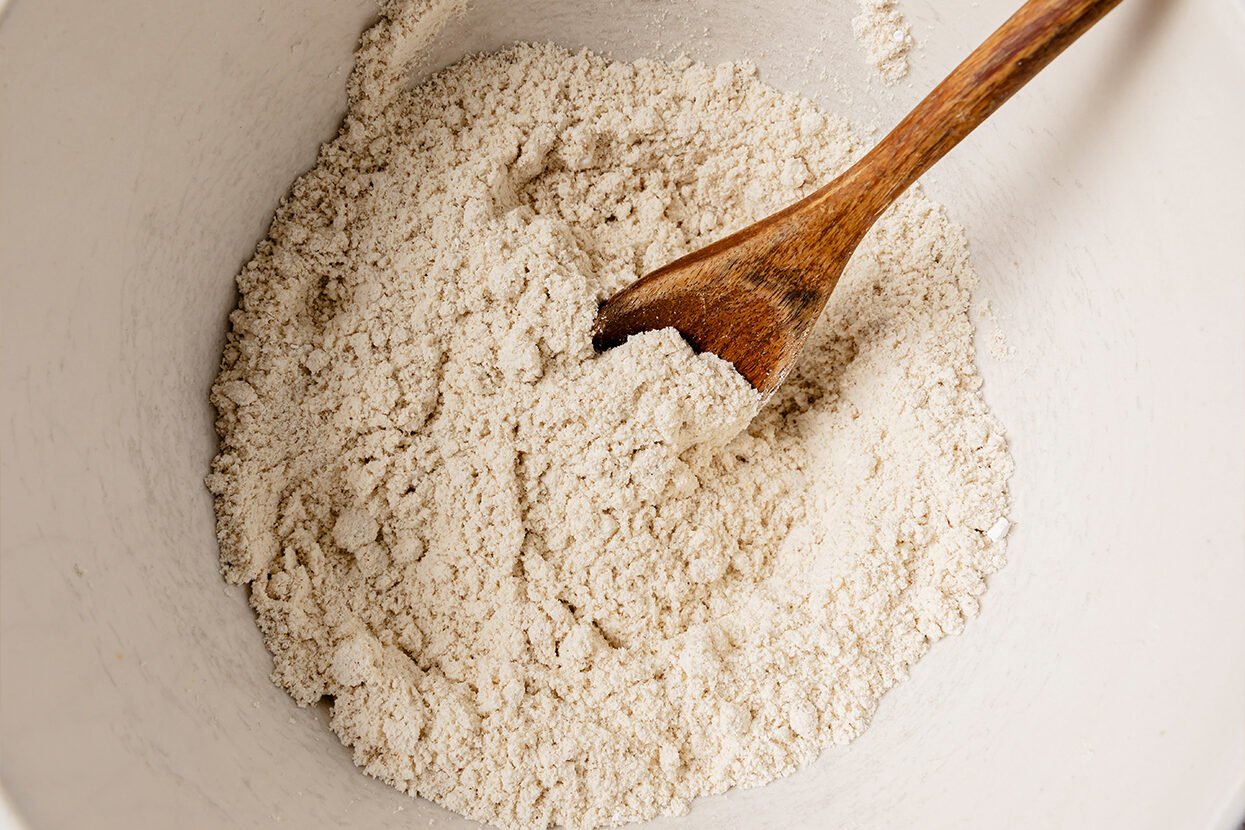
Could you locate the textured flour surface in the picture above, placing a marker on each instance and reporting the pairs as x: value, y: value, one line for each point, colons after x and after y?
x: 542, y: 586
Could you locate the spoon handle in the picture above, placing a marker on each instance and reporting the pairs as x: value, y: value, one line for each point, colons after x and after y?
x: 1006, y: 61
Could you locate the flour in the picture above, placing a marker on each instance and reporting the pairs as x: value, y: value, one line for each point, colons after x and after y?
x: 886, y: 37
x: 542, y: 586
x: 997, y: 345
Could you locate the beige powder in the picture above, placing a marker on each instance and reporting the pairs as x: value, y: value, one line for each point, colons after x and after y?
x: 543, y: 586
x: 886, y: 37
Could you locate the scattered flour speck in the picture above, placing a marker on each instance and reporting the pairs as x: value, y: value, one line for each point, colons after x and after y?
x: 997, y: 344
x: 886, y: 37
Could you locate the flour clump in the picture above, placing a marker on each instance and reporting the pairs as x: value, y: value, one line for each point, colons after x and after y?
x: 543, y: 586
x: 884, y: 34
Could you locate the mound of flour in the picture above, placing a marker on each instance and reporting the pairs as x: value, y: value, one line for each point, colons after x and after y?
x: 543, y: 586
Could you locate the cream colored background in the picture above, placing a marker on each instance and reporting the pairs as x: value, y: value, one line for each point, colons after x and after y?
x: 143, y: 147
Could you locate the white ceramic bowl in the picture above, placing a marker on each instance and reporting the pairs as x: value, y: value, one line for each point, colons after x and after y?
x: 143, y: 147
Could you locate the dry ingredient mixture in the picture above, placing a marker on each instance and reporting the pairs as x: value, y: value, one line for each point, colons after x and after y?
x: 543, y: 586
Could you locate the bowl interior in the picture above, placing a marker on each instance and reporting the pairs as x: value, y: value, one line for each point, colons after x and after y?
x: 144, y: 148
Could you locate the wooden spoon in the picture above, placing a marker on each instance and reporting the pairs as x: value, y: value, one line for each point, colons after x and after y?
x: 752, y: 298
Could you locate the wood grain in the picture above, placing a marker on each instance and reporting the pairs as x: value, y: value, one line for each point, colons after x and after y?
x: 753, y: 297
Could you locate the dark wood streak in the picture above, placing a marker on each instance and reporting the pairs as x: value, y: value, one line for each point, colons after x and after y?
x: 753, y: 297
